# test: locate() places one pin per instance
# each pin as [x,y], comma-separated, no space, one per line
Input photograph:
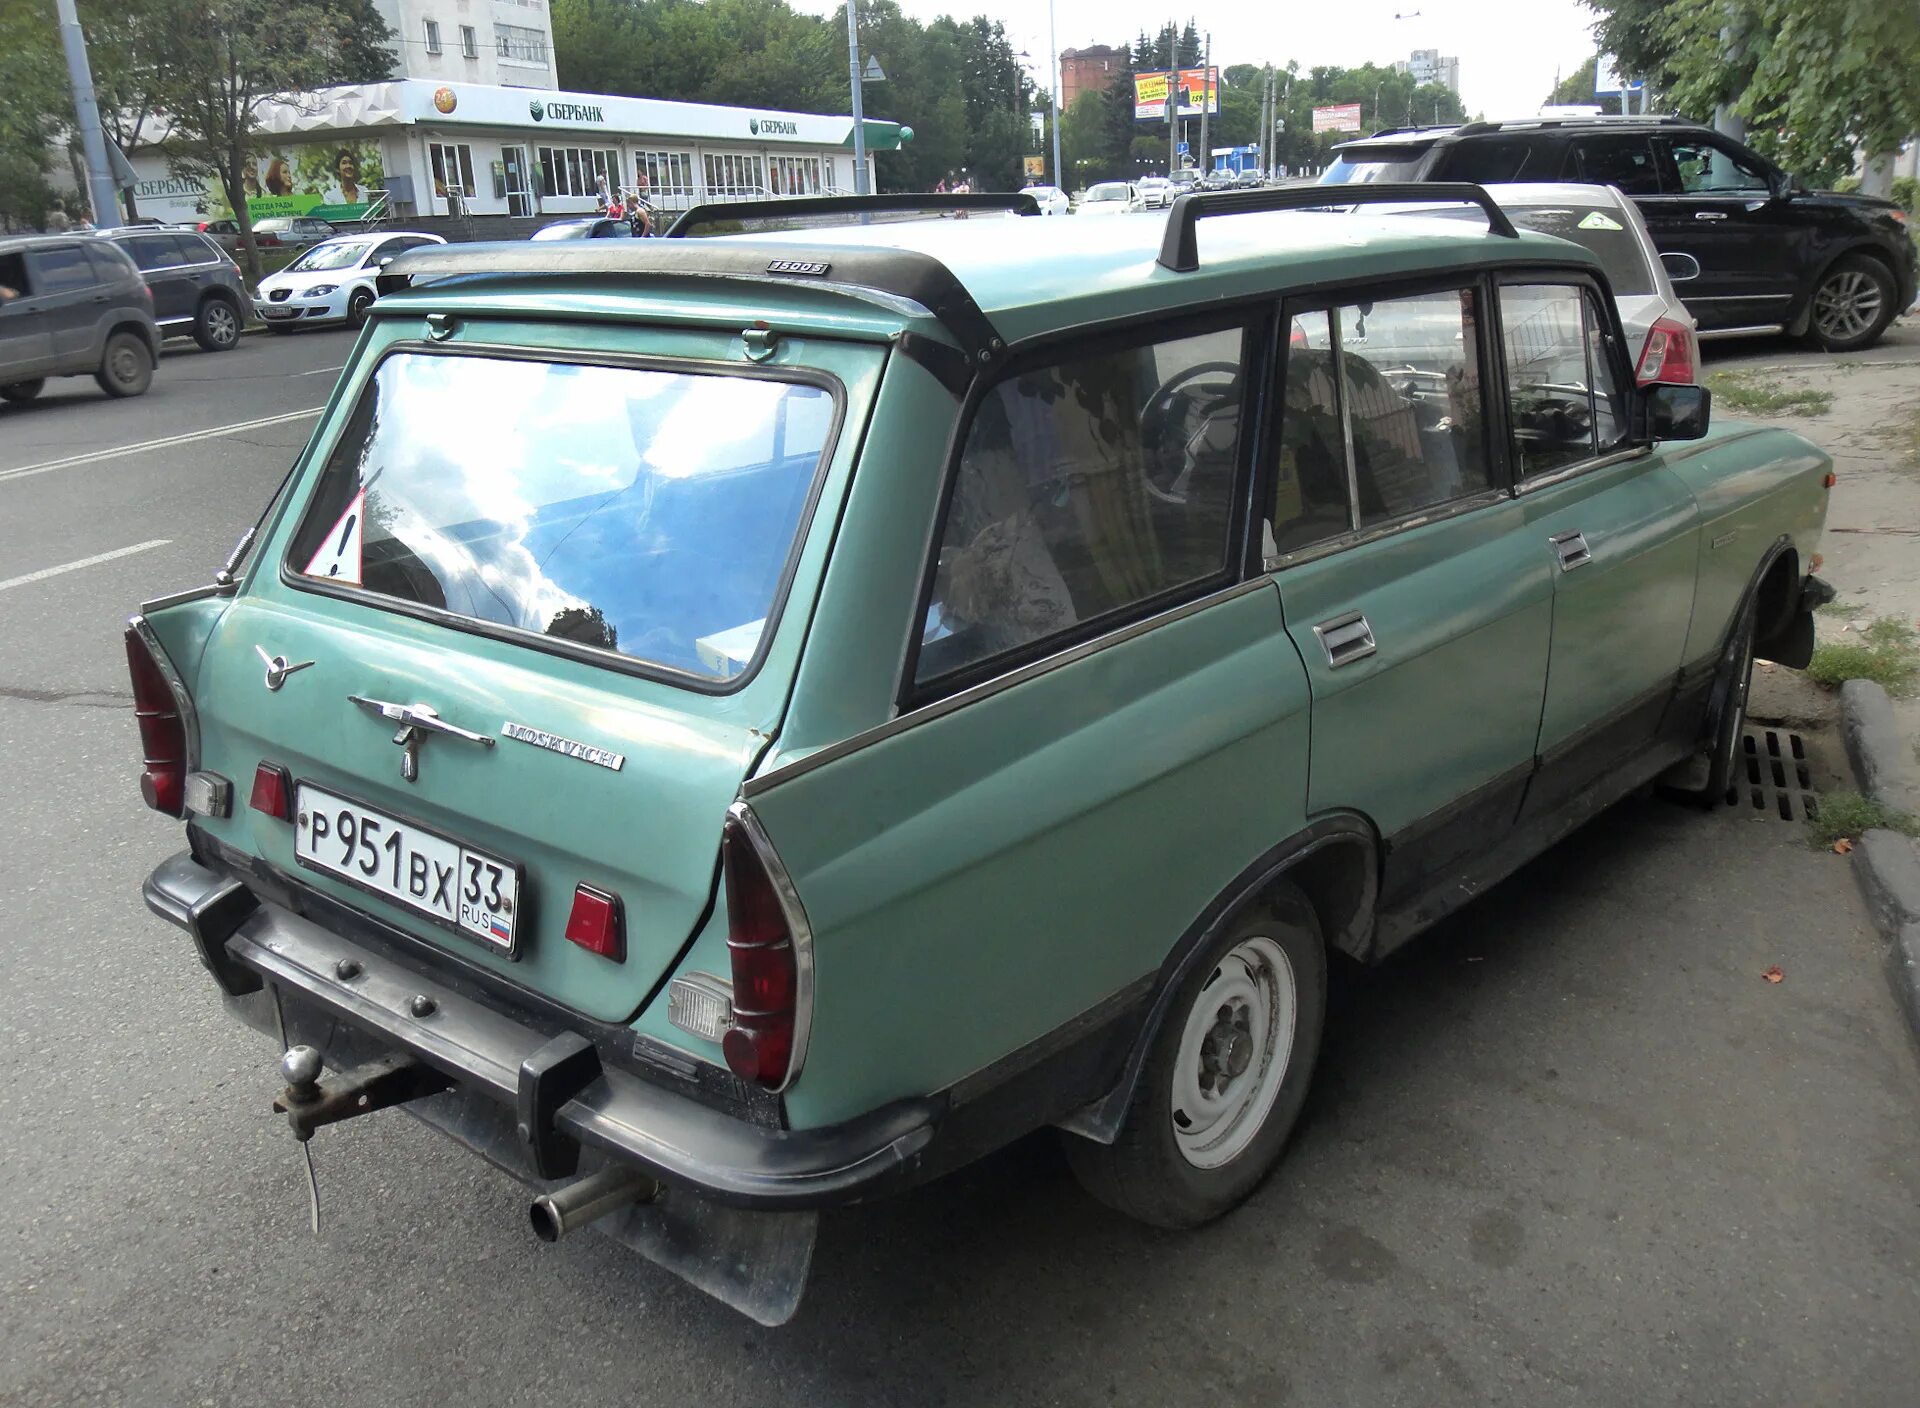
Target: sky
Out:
[1509,50]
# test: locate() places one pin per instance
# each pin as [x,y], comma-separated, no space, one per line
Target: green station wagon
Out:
[726,726]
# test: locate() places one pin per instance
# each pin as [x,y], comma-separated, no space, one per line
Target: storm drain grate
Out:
[1771,776]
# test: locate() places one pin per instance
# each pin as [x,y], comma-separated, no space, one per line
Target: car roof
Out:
[1028,277]
[1600,122]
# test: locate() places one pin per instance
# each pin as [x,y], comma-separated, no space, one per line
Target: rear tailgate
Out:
[673,560]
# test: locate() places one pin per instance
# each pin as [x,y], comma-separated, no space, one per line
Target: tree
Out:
[124,42]
[1576,86]
[32,89]
[223,63]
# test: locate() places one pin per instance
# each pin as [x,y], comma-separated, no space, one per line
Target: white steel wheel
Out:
[1233,1053]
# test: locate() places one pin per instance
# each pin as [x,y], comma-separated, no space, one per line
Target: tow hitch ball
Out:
[390,1080]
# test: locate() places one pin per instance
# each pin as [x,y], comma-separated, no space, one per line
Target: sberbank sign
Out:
[565,112]
[772,127]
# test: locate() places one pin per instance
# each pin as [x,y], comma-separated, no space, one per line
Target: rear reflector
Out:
[163,735]
[272,792]
[767,941]
[1668,355]
[594,923]
[1830,480]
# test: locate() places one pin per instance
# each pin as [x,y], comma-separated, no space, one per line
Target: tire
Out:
[1238,1045]
[126,366]
[357,304]
[217,327]
[1730,691]
[1853,302]
[20,391]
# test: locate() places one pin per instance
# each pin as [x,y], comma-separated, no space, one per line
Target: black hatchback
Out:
[197,289]
[1773,255]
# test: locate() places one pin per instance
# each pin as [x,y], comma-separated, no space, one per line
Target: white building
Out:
[1429,66]
[413,147]
[499,42]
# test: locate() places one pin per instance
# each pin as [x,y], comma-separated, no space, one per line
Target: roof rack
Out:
[727,211]
[1179,251]
[1417,127]
[1598,119]
[873,274]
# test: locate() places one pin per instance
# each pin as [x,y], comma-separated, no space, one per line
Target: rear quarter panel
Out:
[1754,485]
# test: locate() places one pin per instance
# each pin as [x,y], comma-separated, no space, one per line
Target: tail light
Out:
[770,949]
[163,730]
[1668,356]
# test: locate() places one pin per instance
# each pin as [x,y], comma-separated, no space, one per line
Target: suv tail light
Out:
[771,951]
[1668,356]
[163,729]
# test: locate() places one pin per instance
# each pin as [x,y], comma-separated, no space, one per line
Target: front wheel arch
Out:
[1334,862]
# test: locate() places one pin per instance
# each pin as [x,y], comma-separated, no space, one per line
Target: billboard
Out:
[1342,117]
[1150,93]
[332,179]
[1036,167]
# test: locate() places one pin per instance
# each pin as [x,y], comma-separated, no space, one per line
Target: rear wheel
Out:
[22,390]
[1852,304]
[217,328]
[126,367]
[1723,751]
[1223,1084]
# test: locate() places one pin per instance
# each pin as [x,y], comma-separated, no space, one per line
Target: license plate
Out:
[466,889]
[280,312]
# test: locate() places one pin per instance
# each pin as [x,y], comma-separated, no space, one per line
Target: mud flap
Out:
[756,1262]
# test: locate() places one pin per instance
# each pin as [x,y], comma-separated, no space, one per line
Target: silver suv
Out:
[73,305]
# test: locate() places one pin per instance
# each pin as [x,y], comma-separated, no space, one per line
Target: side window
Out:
[110,266]
[1565,402]
[1614,160]
[1483,159]
[151,251]
[192,249]
[1085,487]
[60,269]
[1706,168]
[1398,380]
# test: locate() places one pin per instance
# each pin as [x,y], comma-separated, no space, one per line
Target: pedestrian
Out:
[58,222]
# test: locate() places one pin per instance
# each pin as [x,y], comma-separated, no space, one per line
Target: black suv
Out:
[1774,256]
[197,289]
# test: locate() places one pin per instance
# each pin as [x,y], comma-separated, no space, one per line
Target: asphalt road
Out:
[1571,1149]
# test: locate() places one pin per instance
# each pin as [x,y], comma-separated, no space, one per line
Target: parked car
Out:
[333,282]
[1661,335]
[592,227]
[1247,180]
[225,233]
[197,290]
[1109,198]
[73,305]
[721,771]
[1051,199]
[290,231]
[1773,255]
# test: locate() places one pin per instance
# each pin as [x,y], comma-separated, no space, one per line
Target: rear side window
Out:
[1399,381]
[60,269]
[1616,159]
[1483,159]
[191,249]
[1566,400]
[649,512]
[1086,488]
[154,251]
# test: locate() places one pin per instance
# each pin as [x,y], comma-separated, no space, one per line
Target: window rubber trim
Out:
[296,580]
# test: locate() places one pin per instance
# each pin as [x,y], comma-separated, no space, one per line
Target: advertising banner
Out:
[333,180]
[1036,167]
[1150,93]
[1342,117]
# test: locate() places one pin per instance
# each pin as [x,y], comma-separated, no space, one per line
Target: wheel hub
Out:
[1234,1053]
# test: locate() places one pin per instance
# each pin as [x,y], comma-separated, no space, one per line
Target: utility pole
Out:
[1206,102]
[853,73]
[1266,122]
[86,110]
[1173,122]
[1053,60]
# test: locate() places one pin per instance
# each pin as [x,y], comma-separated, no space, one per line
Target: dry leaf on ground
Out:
[1842,846]
[1774,975]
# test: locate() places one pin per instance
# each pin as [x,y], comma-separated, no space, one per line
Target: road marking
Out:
[318,370]
[94,561]
[93,457]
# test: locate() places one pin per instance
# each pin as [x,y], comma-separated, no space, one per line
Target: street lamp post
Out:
[1053,49]
[859,117]
[106,209]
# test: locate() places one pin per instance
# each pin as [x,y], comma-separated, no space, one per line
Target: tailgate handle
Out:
[1346,639]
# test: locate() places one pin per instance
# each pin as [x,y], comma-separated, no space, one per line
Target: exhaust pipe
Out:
[569,1209]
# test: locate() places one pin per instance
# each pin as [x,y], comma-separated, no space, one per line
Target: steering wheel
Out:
[1171,417]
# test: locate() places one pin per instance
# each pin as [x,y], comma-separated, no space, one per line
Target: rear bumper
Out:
[258,952]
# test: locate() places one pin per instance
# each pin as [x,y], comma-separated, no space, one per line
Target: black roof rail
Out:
[873,273]
[725,211]
[1179,251]
[1416,127]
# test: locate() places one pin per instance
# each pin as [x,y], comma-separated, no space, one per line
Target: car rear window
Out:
[646,511]
[1375,163]
[1603,229]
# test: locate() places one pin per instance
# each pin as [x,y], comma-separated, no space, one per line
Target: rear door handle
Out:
[1571,549]
[1709,215]
[1345,639]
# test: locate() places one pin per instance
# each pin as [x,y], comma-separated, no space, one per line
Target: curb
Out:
[1886,863]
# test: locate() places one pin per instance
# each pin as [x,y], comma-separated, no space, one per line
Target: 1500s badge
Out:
[554,743]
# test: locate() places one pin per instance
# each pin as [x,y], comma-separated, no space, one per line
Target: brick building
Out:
[1090,70]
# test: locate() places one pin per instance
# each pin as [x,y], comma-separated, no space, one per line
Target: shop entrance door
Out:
[513,161]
